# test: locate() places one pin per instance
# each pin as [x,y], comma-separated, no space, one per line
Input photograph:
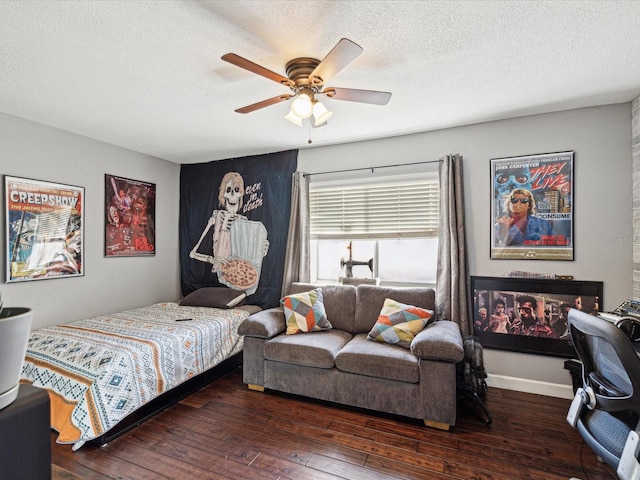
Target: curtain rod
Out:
[371,168]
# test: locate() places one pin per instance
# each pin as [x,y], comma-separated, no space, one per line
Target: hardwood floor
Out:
[226,431]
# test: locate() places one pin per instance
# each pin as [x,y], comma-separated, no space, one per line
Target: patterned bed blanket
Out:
[98,371]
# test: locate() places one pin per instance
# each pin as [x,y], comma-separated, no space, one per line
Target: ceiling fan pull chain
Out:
[309,127]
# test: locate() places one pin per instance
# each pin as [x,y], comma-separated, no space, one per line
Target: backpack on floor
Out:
[471,375]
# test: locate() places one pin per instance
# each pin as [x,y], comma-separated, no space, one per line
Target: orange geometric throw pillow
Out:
[304,312]
[398,324]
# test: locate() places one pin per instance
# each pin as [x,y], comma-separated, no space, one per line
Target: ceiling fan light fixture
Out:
[320,113]
[293,118]
[302,105]
[306,77]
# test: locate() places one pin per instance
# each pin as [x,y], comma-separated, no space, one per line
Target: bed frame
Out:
[167,399]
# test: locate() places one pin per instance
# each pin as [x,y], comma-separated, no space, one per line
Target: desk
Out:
[25,436]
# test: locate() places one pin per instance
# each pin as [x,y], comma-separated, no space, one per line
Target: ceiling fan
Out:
[306,78]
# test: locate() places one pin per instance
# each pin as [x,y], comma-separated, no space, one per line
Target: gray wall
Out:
[601,139]
[35,151]
[635,155]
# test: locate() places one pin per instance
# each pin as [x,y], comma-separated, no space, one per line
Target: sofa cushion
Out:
[399,323]
[317,350]
[339,303]
[370,299]
[379,360]
[304,312]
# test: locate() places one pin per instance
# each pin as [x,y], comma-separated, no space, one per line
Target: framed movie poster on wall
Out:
[532,207]
[44,225]
[530,315]
[130,217]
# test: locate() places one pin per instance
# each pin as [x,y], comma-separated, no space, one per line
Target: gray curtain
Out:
[296,262]
[452,284]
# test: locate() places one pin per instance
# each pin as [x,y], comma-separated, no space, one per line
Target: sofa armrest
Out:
[440,341]
[264,324]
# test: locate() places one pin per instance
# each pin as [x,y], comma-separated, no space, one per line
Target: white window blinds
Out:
[386,210]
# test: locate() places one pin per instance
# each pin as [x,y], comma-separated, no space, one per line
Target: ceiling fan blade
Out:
[339,57]
[238,61]
[264,103]
[355,95]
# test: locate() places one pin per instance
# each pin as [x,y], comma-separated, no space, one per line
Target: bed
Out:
[107,374]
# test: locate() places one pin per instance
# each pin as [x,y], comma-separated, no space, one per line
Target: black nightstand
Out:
[25,436]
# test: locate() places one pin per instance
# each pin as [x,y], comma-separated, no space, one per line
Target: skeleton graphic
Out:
[230,197]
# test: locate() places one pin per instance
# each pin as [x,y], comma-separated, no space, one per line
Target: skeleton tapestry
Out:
[234,219]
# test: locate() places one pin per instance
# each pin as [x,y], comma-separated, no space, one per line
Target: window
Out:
[393,222]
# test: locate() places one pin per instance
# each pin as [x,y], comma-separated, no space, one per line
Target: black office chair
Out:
[605,410]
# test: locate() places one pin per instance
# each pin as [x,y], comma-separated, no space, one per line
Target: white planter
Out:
[15,326]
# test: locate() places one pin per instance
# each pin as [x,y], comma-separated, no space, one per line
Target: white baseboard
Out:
[530,386]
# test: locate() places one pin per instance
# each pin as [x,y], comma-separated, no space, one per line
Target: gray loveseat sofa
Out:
[340,365]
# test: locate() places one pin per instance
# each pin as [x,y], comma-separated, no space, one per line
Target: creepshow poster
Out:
[44,228]
[130,217]
[532,207]
[234,220]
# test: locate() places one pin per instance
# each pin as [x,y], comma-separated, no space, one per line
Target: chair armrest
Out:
[440,341]
[264,324]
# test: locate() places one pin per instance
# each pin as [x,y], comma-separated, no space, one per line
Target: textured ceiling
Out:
[147,75]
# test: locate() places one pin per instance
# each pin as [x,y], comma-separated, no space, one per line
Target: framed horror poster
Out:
[44,225]
[530,315]
[532,207]
[130,216]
